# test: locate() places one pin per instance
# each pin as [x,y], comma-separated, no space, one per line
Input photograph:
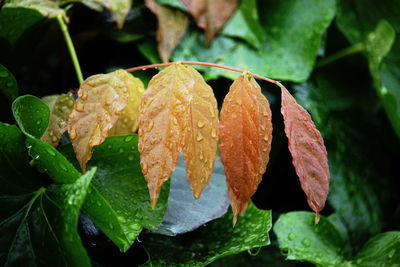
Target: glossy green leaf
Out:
[210,242]
[381,250]
[376,23]
[118,199]
[41,227]
[345,108]
[8,84]
[16,176]
[301,239]
[32,116]
[184,212]
[293,31]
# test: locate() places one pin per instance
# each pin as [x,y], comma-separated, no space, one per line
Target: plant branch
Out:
[71,47]
[152,66]
[340,54]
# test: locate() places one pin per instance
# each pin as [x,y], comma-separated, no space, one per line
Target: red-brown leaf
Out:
[308,152]
[211,15]
[245,132]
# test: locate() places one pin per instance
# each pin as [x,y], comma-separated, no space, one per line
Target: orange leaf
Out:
[211,15]
[178,111]
[101,99]
[245,132]
[308,152]
[172,26]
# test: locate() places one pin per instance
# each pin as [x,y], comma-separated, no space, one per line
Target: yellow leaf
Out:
[101,99]
[60,107]
[178,111]
[245,134]
[128,120]
[172,26]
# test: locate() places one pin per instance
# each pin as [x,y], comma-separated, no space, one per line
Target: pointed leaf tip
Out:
[178,112]
[308,151]
[245,154]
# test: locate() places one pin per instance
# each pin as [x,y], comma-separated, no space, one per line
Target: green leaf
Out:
[184,212]
[245,24]
[48,8]
[8,84]
[41,227]
[376,24]
[210,242]
[301,239]
[31,114]
[381,250]
[345,108]
[16,176]
[15,21]
[290,45]
[118,200]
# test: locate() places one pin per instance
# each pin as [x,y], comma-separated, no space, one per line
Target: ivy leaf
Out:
[172,26]
[8,84]
[178,110]
[32,116]
[300,239]
[101,99]
[210,242]
[128,122]
[185,213]
[382,249]
[118,199]
[119,8]
[41,226]
[60,107]
[211,15]
[245,134]
[308,152]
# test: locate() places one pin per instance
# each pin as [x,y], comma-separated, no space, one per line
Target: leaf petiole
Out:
[356,48]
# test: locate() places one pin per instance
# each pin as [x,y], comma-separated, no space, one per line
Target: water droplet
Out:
[99,203]
[51,152]
[144,168]
[140,132]
[306,242]
[39,121]
[79,107]
[213,133]
[63,167]
[104,132]
[201,124]
[121,150]
[291,236]
[128,138]
[150,126]
[131,157]
[266,138]
[109,146]
[201,156]
[140,148]
[391,253]
[199,137]
[3,74]
[54,139]
[84,96]
[212,113]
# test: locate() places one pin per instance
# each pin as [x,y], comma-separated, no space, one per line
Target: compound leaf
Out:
[60,107]
[101,99]
[211,15]
[308,152]
[245,134]
[172,26]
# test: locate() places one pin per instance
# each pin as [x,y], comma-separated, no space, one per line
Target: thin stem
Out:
[71,47]
[342,53]
[152,66]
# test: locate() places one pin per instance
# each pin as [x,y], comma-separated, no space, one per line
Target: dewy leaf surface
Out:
[178,111]
[184,212]
[128,122]
[101,99]
[118,200]
[211,15]
[172,26]
[308,152]
[245,134]
[210,242]
[60,107]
